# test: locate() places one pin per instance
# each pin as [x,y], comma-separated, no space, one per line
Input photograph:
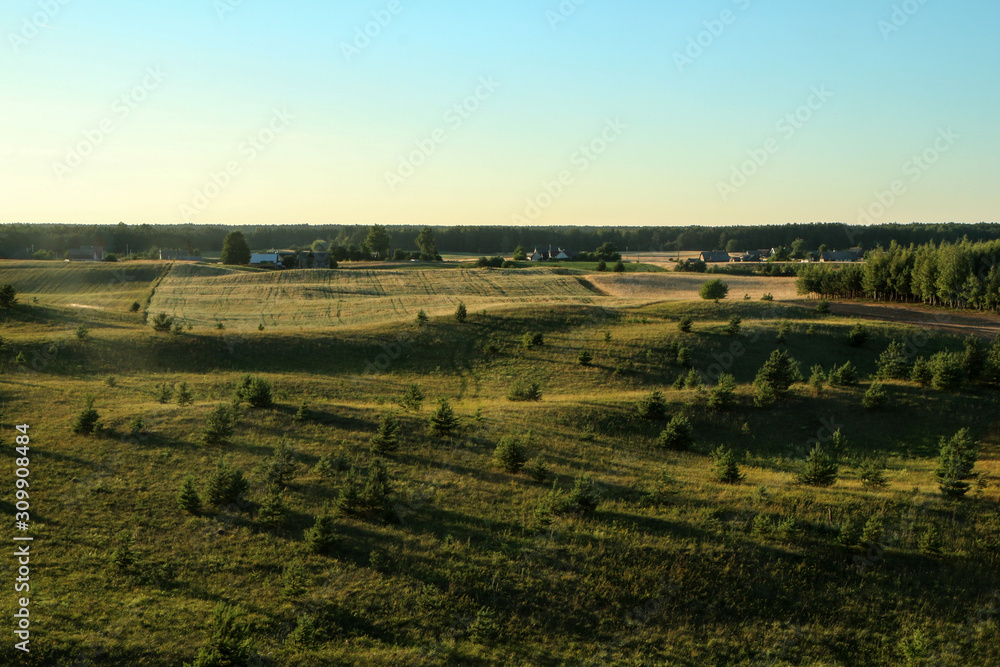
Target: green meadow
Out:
[608,548]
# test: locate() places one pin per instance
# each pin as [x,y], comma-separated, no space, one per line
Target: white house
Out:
[265,259]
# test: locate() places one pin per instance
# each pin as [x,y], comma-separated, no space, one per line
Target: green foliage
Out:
[162,322]
[82,333]
[692,380]
[184,395]
[220,426]
[510,454]
[272,511]
[823,307]
[619,267]
[485,628]
[386,438]
[585,358]
[532,339]
[764,395]
[892,363]
[872,474]
[767,297]
[685,324]
[8,296]
[422,318]
[165,392]
[653,407]
[324,467]
[601,267]
[850,532]
[538,469]
[929,539]
[724,467]
[188,499]
[413,398]
[843,376]
[255,391]
[235,250]
[875,397]
[858,336]
[124,557]
[522,391]
[872,532]
[820,469]
[520,254]
[973,358]
[677,436]
[302,414]
[374,495]
[714,290]
[956,458]
[280,468]
[817,377]
[722,396]
[135,307]
[921,372]
[991,371]
[87,422]
[226,485]
[378,241]
[443,422]
[734,326]
[461,312]
[947,371]
[779,372]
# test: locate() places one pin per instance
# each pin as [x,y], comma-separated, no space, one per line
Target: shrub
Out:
[510,454]
[279,470]
[461,312]
[532,339]
[320,538]
[843,376]
[135,307]
[484,629]
[413,398]
[779,371]
[443,421]
[583,498]
[184,395]
[685,324]
[817,377]
[872,532]
[272,510]
[162,322]
[82,332]
[677,436]
[714,290]
[692,380]
[929,540]
[734,326]
[875,397]
[256,391]
[947,372]
[602,266]
[524,391]
[538,470]
[421,318]
[374,495]
[823,307]
[8,296]
[302,414]
[921,372]
[725,468]
[619,267]
[857,336]
[653,407]
[872,474]
[386,438]
[767,297]
[87,422]
[226,485]
[850,532]
[820,469]
[892,363]
[956,459]
[973,358]
[722,395]
[764,395]
[188,499]
[324,467]
[683,356]
[220,426]
[165,393]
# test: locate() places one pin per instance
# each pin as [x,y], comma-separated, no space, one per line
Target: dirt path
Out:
[925,317]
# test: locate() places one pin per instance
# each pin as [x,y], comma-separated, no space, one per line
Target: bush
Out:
[8,296]
[255,391]
[973,358]
[725,468]
[872,532]
[582,499]
[162,322]
[421,318]
[892,363]
[857,336]
[135,307]
[279,470]
[188,499]
[956,459]
[273,510]
[226,485]
[165,392]
[947,371]
[714,290]
[184,395]
[443,421]
[374,495]
[653,407]
[538,470]
[872,474]
[692,380]
[685,324]
[386,438]
[843,376]
[302,414]
[320,538]
[921,372]
[461,313]
[823,307]
[875,397]
[722,395]
[510,454]
[524,391]
[82,333]
[619,267]
[733,328]
[413,398]
[817,377]
[764,395]
[87,422]
[767,297]
[677,436]
[820,469]
[850,532]
[602,266]
[780,371]
[585,357]
[532,339]
[220,426]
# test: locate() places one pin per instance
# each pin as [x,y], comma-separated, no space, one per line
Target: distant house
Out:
[749,256]
[539,255]
[839,256]
[314,260]
[87,253]
[764,253]
[266,260]
[178,256]
[714,257]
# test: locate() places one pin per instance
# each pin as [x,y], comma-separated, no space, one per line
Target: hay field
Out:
[685,286]
[320,298]
[85,285]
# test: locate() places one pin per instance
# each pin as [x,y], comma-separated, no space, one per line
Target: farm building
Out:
[269,259]
[86,253]
[714,257]
[550,254]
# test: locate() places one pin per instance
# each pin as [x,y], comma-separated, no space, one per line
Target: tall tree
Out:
[425,241]
[235,249]
[379,242]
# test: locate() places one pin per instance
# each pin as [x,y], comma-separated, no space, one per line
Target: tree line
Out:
[960,275]
[20,241]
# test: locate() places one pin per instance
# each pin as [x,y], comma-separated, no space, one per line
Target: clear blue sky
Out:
[115,110]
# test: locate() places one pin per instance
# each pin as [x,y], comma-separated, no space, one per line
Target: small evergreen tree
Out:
[850,532]
[947,372]
[165,392]
[823,307]
[734,326]
[256,391]
[302,414]
[921,372]
[226,485]
[653,407]
[422,318]
[412,398]
[443,421]
[585,357]
[956,459]
[685,324]
[538,469]
[780,371]
[602,266]
[722,396]
[973,358]
[82,333]
[857,336]
[872,532]
[820,469]
[235,249]
[892,363]
[273,510]
[875,397]
[220,426]
[280,468]
[677,436]
[184,395]
[843,376]
[124,557]
[461,313]
[693,379]
[510,455]
[724,467]
[583,498]
[524,391]
[872,474]
[619,267]
[324,467]
[374,495]
[188,499]
[386,438]
[764,395]
[817,378]
[88,421]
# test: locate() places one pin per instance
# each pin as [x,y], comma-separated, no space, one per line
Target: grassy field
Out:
[463,565]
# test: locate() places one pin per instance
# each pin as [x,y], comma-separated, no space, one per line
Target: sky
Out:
[542,112]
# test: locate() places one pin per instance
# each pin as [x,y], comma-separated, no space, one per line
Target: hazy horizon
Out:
[543,112]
